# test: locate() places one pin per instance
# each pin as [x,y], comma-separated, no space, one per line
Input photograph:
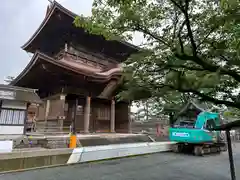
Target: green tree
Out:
[191,47]
[231,114]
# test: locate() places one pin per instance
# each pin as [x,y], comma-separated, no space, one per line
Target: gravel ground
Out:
[161,166]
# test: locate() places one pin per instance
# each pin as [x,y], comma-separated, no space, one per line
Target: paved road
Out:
[163,166]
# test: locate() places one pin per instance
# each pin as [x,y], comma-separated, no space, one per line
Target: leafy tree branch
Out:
[191,47]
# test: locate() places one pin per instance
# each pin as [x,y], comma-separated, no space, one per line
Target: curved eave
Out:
[25,70]
[90,76]
[71,14]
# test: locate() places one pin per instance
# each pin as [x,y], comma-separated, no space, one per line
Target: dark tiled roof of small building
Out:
[19,94]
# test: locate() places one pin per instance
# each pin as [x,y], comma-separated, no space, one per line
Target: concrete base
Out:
[39,158]
[20,160]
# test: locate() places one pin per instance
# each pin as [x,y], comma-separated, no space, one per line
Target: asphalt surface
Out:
[161,166]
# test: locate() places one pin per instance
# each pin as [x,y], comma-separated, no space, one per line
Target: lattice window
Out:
[103,113]
[12,116]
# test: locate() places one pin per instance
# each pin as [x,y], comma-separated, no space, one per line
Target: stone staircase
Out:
[52,125]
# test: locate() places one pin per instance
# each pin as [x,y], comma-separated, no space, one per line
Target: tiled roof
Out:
[19,94]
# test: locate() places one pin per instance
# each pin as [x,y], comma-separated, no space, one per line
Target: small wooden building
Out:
[14,102]
[188,113]
[77,76]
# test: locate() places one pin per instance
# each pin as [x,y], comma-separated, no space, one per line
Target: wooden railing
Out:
[87,59]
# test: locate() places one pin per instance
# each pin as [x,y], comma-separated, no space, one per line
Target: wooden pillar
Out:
[26,118]
[61,111]
[129,119]
[87,114]
[47,109]
[74,117]
[73,137]
[112,123]
[47,112]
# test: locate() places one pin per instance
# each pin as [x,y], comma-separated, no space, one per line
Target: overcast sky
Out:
[18,21]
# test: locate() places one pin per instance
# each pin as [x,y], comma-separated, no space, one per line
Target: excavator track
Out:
[199,149]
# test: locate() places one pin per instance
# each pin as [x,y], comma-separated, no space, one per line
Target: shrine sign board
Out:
[7,95]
